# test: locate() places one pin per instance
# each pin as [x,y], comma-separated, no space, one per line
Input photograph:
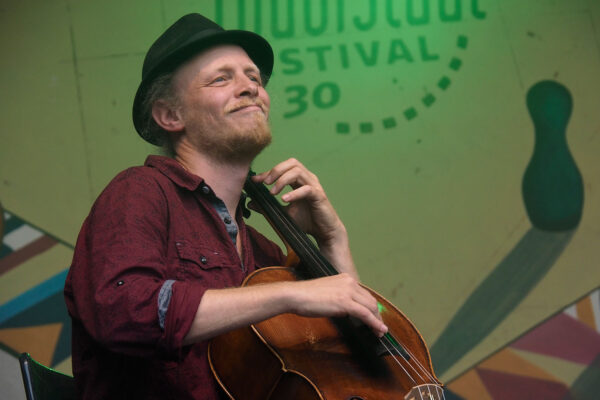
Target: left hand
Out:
[308,204]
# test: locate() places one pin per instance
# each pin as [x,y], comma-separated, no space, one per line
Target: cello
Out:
[294,357]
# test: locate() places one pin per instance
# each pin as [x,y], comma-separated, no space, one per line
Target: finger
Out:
[259,177]
[362,313]
[360,294]
[368,301]
[271,175]
[283,168]
[305,192]
[296,177]
[289,177]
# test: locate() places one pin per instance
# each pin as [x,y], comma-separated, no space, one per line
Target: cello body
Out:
[294,357]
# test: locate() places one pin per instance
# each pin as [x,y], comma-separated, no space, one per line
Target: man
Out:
[160,258]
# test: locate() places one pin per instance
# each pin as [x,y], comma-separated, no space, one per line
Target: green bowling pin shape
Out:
[552,185]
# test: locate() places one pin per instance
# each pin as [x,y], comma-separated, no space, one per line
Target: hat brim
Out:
[257,48]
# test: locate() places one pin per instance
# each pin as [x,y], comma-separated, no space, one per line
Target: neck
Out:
[225,178]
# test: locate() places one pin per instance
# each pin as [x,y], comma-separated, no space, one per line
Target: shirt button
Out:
[120,283]
[227,220]
[203,260]
[205,189]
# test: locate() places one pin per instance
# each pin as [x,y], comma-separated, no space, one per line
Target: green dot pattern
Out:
[389,123]
[411,112]
[342,127]
[444,83]
[428,100]
[455,64]
[366,127]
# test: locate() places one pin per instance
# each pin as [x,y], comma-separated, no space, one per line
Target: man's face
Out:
[223,104]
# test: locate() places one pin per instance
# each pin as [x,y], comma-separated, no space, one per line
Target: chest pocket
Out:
[201,262]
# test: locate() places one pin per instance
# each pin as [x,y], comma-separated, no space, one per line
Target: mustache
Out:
[247,103]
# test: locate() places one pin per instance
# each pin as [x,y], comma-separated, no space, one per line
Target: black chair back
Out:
[43,383]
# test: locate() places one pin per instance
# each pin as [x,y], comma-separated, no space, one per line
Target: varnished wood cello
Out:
[294,357]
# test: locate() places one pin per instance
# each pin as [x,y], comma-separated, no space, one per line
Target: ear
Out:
[166,117]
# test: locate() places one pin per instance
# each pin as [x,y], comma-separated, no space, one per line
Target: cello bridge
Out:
[427,391]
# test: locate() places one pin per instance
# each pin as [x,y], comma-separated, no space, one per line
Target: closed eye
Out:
[219,79]
[256,78]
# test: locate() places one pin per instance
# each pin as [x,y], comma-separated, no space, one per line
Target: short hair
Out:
[161,88]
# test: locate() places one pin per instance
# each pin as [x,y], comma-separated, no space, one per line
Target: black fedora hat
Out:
[187,37]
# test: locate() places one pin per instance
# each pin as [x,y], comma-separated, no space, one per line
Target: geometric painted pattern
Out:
[558,359]
[36,320]
[20,242]
[33,316]
[490,303]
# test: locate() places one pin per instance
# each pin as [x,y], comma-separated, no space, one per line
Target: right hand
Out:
[337,296]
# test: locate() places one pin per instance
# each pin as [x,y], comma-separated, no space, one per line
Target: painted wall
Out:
[458,140]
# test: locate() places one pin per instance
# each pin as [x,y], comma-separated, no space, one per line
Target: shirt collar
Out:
[182,177]
[174,171]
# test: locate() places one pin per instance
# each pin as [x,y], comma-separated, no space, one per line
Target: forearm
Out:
[222,310]
[340,295]
[337,251]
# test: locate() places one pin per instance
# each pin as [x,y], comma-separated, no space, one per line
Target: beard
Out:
[233,140]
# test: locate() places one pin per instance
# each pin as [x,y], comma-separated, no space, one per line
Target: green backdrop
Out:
[414,114]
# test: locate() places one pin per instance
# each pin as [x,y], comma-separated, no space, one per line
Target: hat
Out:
[187,37]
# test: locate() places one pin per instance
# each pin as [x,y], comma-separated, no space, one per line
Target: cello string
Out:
[295,232]
[424,370]
[302,241]
[275,208]
[429,380]
[400,364]
[387,347]
[307,245]
[443,395]
[421,367]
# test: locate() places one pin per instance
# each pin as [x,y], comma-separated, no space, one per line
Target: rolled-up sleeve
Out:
[151,246]
[119,267]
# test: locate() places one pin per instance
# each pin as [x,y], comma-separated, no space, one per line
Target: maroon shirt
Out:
[151,225]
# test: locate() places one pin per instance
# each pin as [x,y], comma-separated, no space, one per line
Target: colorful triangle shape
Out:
[39,341]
